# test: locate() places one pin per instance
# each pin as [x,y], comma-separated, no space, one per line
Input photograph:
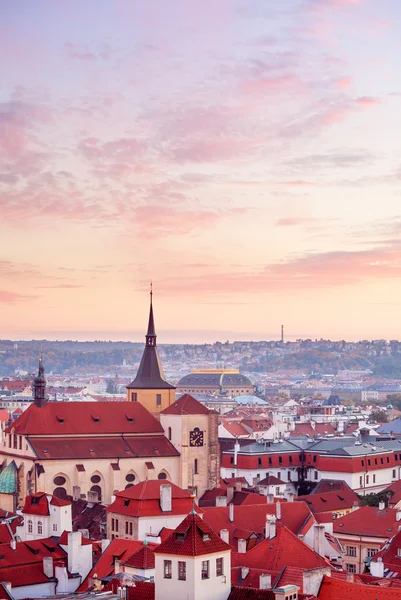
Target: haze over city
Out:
[244,156]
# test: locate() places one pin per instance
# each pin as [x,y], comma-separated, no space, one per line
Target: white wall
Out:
[34,591]
[215,587]
[155,524]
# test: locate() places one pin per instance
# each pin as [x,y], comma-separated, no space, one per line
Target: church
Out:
[71,449]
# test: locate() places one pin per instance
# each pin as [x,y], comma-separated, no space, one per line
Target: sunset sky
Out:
[244,155]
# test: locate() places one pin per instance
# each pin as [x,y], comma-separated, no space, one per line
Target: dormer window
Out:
[206,537]
[60,419]
[126,502]
[130,419]
[399,552]
[180,537]
[96,419]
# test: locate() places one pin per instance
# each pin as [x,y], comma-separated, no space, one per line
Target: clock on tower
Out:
[196,437]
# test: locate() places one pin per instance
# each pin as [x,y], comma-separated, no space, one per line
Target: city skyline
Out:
[242,156]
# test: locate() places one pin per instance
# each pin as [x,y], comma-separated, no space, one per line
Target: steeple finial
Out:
[151,334]
[39,384]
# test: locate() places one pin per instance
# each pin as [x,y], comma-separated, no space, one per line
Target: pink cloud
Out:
[367,100]
[7,297]
[343,82]
[153,220]
[294,221]
[298,183]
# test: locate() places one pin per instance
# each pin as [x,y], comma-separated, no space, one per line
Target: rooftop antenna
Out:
[151,291]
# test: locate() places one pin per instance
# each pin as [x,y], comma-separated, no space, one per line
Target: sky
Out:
[244,156]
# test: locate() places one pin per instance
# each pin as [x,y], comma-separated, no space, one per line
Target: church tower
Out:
[39,385]
[150,387]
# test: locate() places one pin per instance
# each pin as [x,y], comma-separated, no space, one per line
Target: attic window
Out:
[45,451]
[60,419]
[96,419]
[126,502]
[180,537]
[206,537]
[130,419]
[35,501]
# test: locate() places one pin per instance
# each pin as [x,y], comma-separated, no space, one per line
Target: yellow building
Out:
[150,387]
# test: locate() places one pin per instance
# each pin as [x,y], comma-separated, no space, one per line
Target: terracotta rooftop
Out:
[335,589]
[193,537]
[330,501]
[368,521]
[186,405]
[86,418]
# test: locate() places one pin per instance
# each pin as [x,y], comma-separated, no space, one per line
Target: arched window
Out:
[196,466]
[169,433]
[98,490]
[40,528]
[162,476]
[30,526]
[60,492]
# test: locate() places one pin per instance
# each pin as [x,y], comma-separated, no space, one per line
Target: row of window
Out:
[381,460]
[182,569]
[373,478]
[39,527]
[351,551]
[134,398]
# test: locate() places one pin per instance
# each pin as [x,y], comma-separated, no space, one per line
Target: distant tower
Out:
[150,387]
[282,334]
[39,385]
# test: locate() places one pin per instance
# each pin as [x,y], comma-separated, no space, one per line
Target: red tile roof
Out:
[193,537]
[293,514]
[335,589]
[302,429]
[37,504]
[143,500]
[86,418]
[25,563]
[330,501]
[102,447]
[395,488]
[285,549]
[143,559]
[141,591]
[271,480]
[330,485]
[186,405]
[368,521]
[246,593]
[324,429]
[389,554]
[119,548]
[4,416]
[235,429]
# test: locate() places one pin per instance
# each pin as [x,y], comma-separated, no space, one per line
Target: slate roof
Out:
[213,380]
[86,418]
[92,517]
[186,405]
[392,427]
[193,537]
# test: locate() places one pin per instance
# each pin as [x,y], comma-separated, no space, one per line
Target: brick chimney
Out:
[265,581]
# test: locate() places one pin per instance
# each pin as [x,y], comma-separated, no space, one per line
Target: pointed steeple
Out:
[151,334]
[150,373]
[39,384]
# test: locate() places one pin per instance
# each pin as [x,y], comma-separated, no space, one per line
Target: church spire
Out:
[151,334]
[39,384]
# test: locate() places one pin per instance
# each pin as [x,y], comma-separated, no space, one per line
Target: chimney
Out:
[377,568]
[166,497]
[241,546]
[382,506]
[265,581]
[319,539]
[48,566]
[236,450]
[230,493]
[13,544]
[349,577]
[312,579]
[269,498]
[221,500]
[231,512]
[224,534]
[93,498]
[105,545]
[398,515]
[278,511]
[289,496]
[118,566]
[76,492]
[244,572]
[238,486]
[270,527]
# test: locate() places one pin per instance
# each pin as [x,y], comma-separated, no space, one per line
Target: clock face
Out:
[196,437]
